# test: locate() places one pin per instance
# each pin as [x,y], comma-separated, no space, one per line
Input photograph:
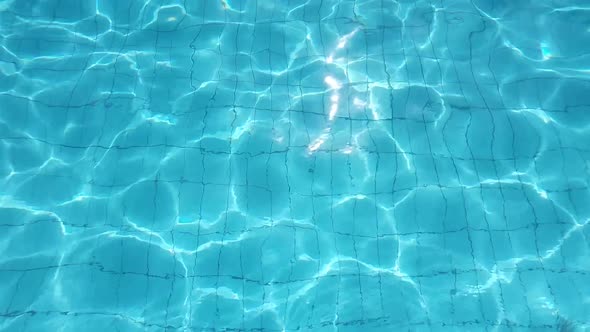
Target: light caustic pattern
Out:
[294,165]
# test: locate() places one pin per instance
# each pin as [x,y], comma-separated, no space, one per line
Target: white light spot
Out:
[344,40]
[545,51]
[318,142]
[359,103]
[333,111]
[347,150]
[373,109]
[332,82]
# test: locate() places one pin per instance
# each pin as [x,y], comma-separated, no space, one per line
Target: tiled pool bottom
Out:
[294,166]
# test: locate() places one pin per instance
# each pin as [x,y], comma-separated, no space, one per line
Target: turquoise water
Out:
[313,165]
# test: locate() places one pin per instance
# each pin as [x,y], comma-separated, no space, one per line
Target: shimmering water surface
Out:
[320,165]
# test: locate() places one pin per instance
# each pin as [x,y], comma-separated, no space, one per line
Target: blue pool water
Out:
[290,165]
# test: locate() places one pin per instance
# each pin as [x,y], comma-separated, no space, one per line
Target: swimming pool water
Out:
[319,165]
